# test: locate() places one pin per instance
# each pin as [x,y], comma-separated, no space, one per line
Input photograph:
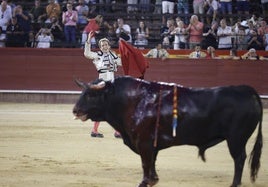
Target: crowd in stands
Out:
[210,53]
[176,24]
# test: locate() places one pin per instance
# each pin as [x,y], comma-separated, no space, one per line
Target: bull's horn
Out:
[97,86]
[80,83]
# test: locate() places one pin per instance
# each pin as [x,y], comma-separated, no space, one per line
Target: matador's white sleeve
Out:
[92,55]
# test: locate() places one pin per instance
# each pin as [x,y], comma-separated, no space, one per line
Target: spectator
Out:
[168,6]
[266,42]
[264,5]
[183,10]
[255,19]
[132,6]
[180,39]
[69,19]
[142,34]
[73,2]
[105,6]
[10,5]
[213,7]
[111,35]
[38,12]
[64,5]
[263,29]
[157,52]
[167,9]
[44,37]
[211,53]
[92,7]
[166,30]
[197,53]
[263,58]
[251,55]
[240,39]
[57,32]
[5,15]
[82,11]
[2,38]
[14,33]
[94,27]
[250,26]
[224,34]
[232,55]
[31,42]
[195,30]
[53,9]
[225,8]
[158,7]
[242,7]
[210,36]
[198,8]
[24,21]
[255,41]
[145,6]
[123,31]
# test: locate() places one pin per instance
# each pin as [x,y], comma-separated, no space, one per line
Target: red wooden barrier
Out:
[55,69]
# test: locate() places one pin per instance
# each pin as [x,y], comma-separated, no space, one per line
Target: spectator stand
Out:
[153,19]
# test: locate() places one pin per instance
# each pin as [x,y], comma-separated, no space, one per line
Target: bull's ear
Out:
[81,84]
[98,86]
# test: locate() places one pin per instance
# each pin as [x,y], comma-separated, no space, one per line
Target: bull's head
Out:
[91,103]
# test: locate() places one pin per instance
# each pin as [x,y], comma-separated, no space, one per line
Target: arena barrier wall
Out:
[26,74]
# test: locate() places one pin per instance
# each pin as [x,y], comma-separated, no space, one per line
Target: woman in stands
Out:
[94,27]
[142,35]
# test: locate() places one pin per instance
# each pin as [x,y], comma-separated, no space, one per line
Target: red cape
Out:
[133,61]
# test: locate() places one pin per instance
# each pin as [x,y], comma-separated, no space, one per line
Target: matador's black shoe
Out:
[96,135]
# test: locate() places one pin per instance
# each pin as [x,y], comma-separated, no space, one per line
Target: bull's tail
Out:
[255,155]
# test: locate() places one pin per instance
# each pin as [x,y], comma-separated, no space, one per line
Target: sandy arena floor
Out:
[42,146]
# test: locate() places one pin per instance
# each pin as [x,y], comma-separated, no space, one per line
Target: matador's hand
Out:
[90,36]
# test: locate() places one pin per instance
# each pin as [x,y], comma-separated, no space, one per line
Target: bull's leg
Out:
[148,157]
[238,154]
[154,175]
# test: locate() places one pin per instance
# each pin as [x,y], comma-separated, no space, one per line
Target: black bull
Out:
[143,112]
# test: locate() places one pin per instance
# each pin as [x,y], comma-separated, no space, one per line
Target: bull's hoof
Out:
[142,184]
[153,181]
[235,185]
[150,182]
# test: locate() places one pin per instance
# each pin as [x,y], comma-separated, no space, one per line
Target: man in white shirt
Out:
[225,35]
[123,31]
[5,15]
[197,53]
[157,52]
